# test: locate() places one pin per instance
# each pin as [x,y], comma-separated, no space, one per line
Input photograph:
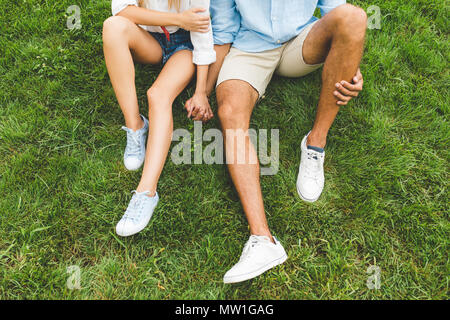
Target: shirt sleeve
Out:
[226,21]
[204,53]
[119,5]
[326,6]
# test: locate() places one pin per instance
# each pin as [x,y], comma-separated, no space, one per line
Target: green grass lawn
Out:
[63,185]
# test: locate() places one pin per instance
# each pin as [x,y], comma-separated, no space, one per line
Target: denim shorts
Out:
[180,40]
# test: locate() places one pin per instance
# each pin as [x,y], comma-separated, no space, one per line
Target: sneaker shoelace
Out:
[133,142]
[134,209]
[313,165]
[252,243]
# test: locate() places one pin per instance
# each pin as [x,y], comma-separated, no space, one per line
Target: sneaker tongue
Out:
[253,242]
[142,193]
[261,238]
[315,152]
[131,131]
[317,149]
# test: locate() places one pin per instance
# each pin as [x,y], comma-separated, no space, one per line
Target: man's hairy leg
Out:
[236,100]
[337,39]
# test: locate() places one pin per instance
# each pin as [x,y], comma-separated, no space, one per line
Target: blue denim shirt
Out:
[260,25]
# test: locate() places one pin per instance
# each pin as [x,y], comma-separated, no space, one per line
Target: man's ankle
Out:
[316,140]
[265,234]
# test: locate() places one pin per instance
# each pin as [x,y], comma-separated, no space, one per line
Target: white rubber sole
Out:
[251,275]
[133,168]
[128,234]
[306,199]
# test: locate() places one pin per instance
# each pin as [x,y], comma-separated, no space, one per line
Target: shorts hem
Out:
[260,93]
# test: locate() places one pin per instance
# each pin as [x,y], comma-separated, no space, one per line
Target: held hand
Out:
[346,91]
[198,108]
[191,20]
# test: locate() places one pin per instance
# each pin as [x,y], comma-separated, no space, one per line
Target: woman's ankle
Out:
[135,123]
[152,191]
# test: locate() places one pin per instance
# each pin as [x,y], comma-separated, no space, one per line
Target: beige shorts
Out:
[257,68]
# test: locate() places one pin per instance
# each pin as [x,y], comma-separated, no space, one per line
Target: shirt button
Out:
[274,18]
[278,41]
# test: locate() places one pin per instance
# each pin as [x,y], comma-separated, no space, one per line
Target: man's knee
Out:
[233,116]
[115,27]
[236,101]
[351,22]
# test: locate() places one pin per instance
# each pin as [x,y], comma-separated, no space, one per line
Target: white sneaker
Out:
[311,179]
[259,255]
[138,214]
[134,154]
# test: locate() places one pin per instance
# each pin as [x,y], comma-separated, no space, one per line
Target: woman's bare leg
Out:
[173,78]
[123,40]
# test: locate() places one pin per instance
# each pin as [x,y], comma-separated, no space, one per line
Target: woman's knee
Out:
[115,27]
[158,99]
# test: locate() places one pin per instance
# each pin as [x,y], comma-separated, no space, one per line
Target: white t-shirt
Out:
[204,53]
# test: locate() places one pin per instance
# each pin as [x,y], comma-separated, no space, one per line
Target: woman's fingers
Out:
[198,9]
[201,27]
[203,30]
[188,107]
[203,19]
[199,116]
[208,116]
[193,21]
[203,24]
[187,104]
[193,112]
[196,112]
[200,18]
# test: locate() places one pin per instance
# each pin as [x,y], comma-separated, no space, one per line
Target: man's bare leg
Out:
[337,39]
[236,100]
[262,252]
